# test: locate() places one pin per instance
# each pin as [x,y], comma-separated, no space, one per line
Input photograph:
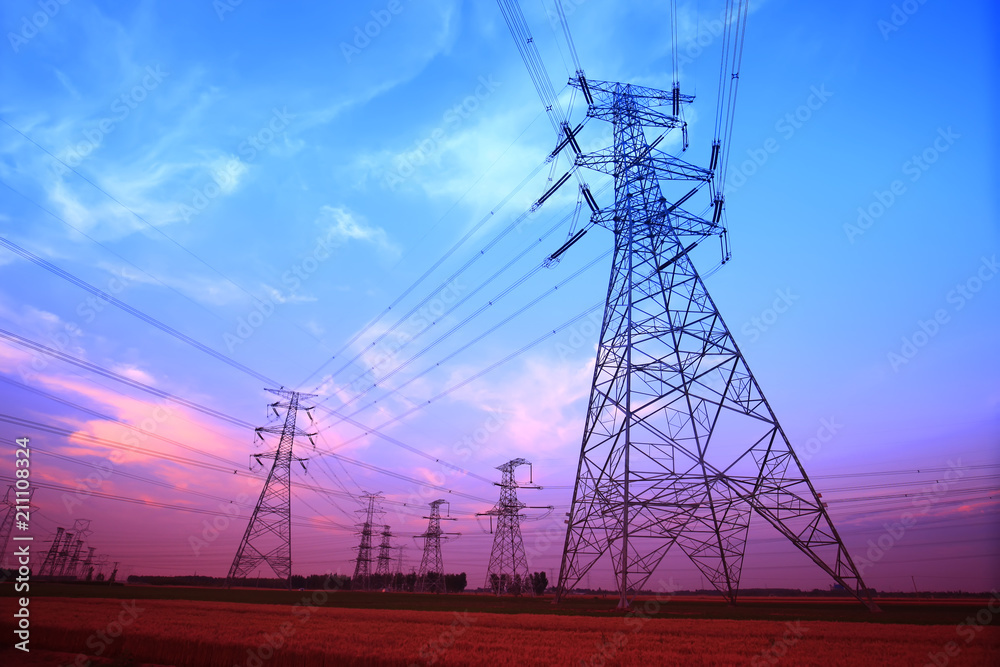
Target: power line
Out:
[136,215]
[101,294]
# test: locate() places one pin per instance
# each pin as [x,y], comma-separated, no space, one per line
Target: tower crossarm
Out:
[603,93]
[678,220]
[604,161]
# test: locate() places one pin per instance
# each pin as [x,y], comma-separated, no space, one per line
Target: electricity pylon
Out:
[398,579]
[431,563]
[383,570]
[362,579]
[508,568]
[268,537]
[49,562]
[679,445]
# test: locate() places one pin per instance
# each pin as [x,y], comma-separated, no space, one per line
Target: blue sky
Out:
[266,182]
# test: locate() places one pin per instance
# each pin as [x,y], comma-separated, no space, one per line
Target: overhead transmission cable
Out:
[406,292]
[503,322]
[109,250]
[38,347]
[145,222]
[118,303]
[409,340]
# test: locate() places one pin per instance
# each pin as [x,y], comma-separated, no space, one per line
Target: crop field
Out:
[158,626]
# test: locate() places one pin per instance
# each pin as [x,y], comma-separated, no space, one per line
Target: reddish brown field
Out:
[178,632]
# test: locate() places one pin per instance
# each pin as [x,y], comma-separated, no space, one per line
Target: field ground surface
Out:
[143,625]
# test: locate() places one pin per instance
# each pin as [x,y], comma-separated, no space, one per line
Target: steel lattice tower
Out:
[508,566]
[49,562]
[431,562]
[679,445]
[383,570]
[397,577]
[268,537]
[362,578]
[88,565]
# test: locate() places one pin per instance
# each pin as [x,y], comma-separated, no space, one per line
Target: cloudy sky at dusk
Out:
[274,196]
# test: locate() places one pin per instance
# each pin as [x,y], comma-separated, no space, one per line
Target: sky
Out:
[329,208]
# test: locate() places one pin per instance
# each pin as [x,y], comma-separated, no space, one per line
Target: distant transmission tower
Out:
[49,562]
[508,568]
[679,445]
[88,565]
[268,538]
[362,579]
[398,579]
[430,578]
[63,557]
[383,570]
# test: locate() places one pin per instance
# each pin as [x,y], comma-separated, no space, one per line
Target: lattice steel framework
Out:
[268,537]
[508,568]
[383,570]
[49,562]
[63,557]
[432,563]
[362,579]
[679,445]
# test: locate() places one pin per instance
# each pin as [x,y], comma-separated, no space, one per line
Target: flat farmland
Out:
[158,626]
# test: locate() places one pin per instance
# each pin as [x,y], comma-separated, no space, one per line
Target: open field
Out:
[146,625]
[903,610]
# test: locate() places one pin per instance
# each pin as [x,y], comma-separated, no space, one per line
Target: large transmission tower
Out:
[679,445]
[508,568]
[362,579]
[268,537]
[430,577]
